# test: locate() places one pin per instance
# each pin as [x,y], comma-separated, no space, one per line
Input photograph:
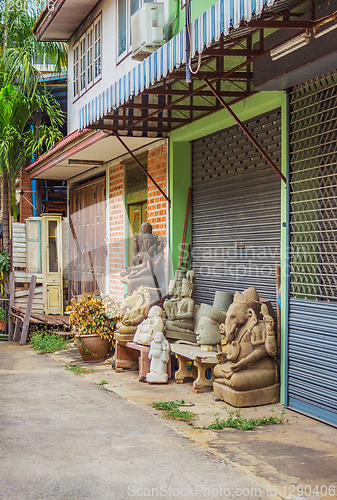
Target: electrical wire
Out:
[188,28]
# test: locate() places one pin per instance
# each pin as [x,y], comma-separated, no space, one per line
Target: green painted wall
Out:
[198,7]
[180,174]
[180,181]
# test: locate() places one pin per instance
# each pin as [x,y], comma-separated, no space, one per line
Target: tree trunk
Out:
[6,213]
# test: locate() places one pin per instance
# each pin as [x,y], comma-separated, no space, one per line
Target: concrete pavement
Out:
[65,437]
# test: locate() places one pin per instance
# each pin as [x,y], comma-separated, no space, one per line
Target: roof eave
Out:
[45,19]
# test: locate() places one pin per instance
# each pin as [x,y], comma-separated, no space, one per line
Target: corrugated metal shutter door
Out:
[236,210]
[312,371]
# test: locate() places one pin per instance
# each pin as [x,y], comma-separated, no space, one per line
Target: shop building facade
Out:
[262,170]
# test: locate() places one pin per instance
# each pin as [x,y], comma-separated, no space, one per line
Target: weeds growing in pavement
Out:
[103,382]
[78,370]
[171,410]
[237,421]
[48,340]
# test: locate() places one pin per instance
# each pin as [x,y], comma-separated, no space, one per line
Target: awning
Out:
[80,152]
[154,97]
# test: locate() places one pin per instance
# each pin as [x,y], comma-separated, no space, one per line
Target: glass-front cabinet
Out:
[52,263]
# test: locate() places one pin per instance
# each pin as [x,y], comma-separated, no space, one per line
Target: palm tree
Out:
[17,142]
[16,31]
[20,53]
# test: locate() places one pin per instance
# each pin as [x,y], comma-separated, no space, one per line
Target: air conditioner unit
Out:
[147,28]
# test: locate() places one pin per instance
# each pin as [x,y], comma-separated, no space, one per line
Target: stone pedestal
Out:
[241,399]
[124,337]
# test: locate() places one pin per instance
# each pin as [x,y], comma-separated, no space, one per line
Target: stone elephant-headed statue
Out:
[247,373]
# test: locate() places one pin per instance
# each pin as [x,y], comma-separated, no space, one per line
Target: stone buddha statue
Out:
[246,374]
[180,320]
[171,304]
[134,310]
[149,327]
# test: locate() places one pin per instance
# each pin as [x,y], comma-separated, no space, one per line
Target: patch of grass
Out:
[171,410]
[103,382]
[78,370]
[48,341]
[237,421]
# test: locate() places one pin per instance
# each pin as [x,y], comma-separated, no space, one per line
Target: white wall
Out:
[111,71]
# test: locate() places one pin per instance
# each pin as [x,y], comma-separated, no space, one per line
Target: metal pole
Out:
[246,131]
[141,166]
[188,45]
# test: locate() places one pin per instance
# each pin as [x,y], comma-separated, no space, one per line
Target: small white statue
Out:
[149,327]
[159,355]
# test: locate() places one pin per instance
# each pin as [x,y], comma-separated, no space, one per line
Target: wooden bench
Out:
[201,365]
[135,357]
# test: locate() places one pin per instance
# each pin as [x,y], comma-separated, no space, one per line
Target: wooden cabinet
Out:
[52,263]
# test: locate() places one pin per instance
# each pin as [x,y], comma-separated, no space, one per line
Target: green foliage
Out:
[78,370]
[48,341]
[103,382]
[5,262]
[171,410]
[17,20]
[17,142]
[88,316]
[237,421]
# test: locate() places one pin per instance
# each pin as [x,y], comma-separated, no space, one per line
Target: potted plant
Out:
[3,317]
[93,321]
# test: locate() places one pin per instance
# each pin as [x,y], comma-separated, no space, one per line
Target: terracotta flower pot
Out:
[92,348]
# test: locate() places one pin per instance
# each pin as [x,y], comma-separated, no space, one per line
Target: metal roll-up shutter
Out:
[312,370]
[236,210]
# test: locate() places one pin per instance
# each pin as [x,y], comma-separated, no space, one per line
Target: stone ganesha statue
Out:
[246,375]
[134,309]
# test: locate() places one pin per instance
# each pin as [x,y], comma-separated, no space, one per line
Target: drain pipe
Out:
[32,160]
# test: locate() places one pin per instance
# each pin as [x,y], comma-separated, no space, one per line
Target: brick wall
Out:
[157,213]
[26,210]
[157,205]
[116,230]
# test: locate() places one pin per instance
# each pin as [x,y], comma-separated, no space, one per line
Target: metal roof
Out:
[154,98]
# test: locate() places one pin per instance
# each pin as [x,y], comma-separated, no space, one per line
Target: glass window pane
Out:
[121,26]
[52,246]
[134,6]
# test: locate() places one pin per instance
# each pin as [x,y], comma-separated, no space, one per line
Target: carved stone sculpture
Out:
[180,322]
[134,309]
[148,268]
[208,332]
[246,375]
[149,327]
[171,305]
[159,354]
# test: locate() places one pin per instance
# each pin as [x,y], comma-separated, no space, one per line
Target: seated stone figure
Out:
[180,324]
[149,327]
[148,263]
[135,309]
[171,304]
[246,375]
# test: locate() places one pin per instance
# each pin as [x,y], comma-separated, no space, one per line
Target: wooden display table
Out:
[203,363]
[135,357]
